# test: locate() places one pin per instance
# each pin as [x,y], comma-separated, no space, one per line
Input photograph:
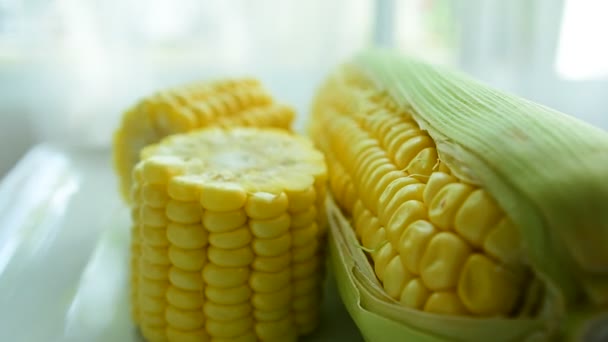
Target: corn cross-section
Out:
[227,236]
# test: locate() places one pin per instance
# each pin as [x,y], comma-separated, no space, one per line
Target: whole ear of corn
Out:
[227,236]
[483,215]
[224,103]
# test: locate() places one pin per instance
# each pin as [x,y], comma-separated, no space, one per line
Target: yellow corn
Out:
[233,102]
[438,243]
[227,236]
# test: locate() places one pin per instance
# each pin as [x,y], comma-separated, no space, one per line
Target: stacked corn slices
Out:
[227,102]
[483,216]
[228,234]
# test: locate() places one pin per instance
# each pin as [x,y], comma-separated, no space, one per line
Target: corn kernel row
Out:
[438,244]
[227,242]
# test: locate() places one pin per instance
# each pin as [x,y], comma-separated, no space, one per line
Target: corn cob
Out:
[425,185]
[232,102]
[438,244]
[227,236]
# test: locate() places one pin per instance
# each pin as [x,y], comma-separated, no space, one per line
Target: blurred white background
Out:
[68,67]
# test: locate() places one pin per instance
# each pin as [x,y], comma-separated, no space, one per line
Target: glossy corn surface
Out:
[227,236]
[437,243]
[224,103]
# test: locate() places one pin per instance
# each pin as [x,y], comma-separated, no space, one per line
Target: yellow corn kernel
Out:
[187,259]
[238,257]
[445,303]
[153,271]
[222,277]
[226,312]
[269,281]
[272,263]
[152,287]
[153,217]
[220,222]
[391,190]
[480,282]
[304,218]
[272,247]
[410,148]
[183,189]
[413,243]
[246,337]
[222,197]
[268,330]
[159,170]
[305,236]
[183,212]
[228,296]
[154,195]
[305,285]
[154,236]
[446,203]
[187,236]
[395,277]
[185,280]
[477,215]
[183,299]
[373,178]
[382,258]
[423,162]
[383,183]
[406,214]
[409,192]
[414,294]
[301,200]
[362,221]
[306,268]
[152,333]
[274,315]
[233,239]
[263,205]
[151,304]
[370,225]
[503,242]
[435,183]
[184,319]
[270,228]
[154,319]
[442,261]
[373,240]
[229,329]
[198,335]
[306,302]
[155,255]
[273,300]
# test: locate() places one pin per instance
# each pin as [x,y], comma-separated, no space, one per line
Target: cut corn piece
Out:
[225,248]
[233,102]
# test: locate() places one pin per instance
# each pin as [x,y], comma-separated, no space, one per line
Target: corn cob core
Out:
[437,243]
[224,103]
[227,236]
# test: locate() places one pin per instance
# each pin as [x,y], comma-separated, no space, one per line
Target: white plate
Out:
[63,254]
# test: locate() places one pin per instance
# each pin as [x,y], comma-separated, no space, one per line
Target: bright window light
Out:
[583,43]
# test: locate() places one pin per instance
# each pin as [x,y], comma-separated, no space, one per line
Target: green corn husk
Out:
[547,171]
